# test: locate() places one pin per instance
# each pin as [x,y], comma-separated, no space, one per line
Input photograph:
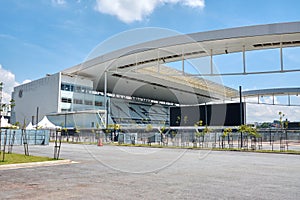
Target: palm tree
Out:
[226,132]
[251,131]
[201,134]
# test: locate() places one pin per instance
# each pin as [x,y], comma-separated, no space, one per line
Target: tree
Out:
[149,127]
[201,133]
[185,120]
[252,131]
[281,115]
[197,132]
[226,132]
[173,134]
[162,131]
[178,120]
[113,130]
[283,126]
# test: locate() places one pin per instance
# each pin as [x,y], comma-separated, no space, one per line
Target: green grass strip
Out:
[13,158]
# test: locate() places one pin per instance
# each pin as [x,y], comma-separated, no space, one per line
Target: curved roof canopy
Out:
[140,70]
[272,92]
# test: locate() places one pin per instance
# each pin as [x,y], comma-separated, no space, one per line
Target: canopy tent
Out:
[30,126]
[4,122]
[45,123]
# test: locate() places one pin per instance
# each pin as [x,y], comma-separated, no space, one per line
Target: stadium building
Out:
[134,86]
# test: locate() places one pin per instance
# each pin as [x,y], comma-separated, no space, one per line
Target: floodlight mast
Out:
[241,114]
[105,99]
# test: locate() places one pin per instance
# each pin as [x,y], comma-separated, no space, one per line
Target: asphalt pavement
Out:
[113,172]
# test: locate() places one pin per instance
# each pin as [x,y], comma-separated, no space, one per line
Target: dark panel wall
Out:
[212,115]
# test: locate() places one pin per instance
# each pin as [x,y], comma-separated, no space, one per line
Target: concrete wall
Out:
[42,93]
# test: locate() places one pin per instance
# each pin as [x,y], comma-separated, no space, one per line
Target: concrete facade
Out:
[54,94]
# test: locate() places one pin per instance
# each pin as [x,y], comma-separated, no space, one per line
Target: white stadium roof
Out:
[272,92]
[139,70]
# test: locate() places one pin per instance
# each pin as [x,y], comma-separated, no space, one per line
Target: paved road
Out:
[111,172]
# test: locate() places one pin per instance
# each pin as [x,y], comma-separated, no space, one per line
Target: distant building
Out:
[5,108]
[294,125]
[56,96]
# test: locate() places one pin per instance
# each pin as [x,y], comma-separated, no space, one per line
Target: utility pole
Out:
[105,100]
[37,117]
[241,114]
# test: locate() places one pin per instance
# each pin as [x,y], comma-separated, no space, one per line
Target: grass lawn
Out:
[13,158]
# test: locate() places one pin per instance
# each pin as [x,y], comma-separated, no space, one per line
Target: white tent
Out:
[30,126]
[4,122]
[45,123]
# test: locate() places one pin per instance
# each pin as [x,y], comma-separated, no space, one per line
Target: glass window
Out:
[66,100]
[65,110]
[98,103]
[67,87]
[77,88]
[88,102]
[62,86]
[90,90]
[78,101]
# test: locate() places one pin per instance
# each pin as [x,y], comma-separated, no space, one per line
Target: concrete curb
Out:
[35,164]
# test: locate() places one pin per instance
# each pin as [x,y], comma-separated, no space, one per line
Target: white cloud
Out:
[267,113]
[58,2]
[136,10]
[9,83]
[194,3]
[26,81]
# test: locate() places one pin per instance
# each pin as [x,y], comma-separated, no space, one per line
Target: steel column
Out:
[105,99]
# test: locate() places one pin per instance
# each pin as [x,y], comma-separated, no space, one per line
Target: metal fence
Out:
[19,136]
[270,139]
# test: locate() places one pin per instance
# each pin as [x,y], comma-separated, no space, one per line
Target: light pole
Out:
[241,114]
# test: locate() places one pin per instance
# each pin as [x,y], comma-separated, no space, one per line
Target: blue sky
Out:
[45,36]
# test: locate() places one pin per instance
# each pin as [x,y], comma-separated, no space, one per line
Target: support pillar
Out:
[211,62]
[244,60]
[105,99]
[281,58]
[241,113]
